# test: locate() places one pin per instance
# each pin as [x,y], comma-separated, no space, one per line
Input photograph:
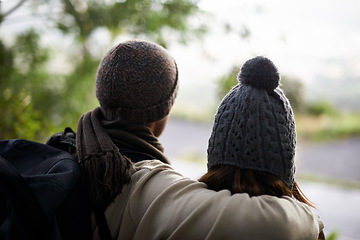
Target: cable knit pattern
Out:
[254,127]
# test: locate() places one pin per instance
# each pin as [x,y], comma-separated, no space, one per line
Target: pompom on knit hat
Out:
[254,126]
[137,81]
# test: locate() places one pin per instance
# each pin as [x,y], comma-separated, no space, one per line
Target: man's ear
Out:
[158,127]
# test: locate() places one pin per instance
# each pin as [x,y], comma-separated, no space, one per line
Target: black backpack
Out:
[40,193]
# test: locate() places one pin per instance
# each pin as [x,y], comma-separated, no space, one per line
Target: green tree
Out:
[226,82]
[294,91]
[322,107]
[3,15]
[35,101]
[159,20]
[23,88]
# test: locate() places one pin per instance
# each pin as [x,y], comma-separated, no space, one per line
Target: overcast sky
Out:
[305,39]
[299,36]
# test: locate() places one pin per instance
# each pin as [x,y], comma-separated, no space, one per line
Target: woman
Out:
[252,144]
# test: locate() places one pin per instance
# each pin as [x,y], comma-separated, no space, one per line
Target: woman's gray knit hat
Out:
[137,81]
[254,127]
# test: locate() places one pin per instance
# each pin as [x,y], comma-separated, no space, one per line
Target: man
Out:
[127,174]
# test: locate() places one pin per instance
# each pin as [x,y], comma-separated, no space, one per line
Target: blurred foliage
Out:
[322,121]
[226,82]
[23,88]
[333,236]
[34,103]
[294,91]
[159,20]
[327,127]
[322,107]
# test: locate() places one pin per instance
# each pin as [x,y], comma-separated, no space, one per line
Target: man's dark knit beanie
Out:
[137,81]
[254,127]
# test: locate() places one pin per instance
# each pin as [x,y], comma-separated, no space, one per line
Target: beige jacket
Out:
[159,203]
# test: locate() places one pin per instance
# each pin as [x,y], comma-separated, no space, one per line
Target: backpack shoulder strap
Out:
[65,140]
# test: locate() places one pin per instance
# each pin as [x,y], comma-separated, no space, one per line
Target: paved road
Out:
[339,159]
[338,207]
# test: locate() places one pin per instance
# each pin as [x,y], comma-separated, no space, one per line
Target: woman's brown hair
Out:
[253,182]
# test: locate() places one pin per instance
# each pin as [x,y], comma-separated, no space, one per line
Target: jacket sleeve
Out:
[161,204]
